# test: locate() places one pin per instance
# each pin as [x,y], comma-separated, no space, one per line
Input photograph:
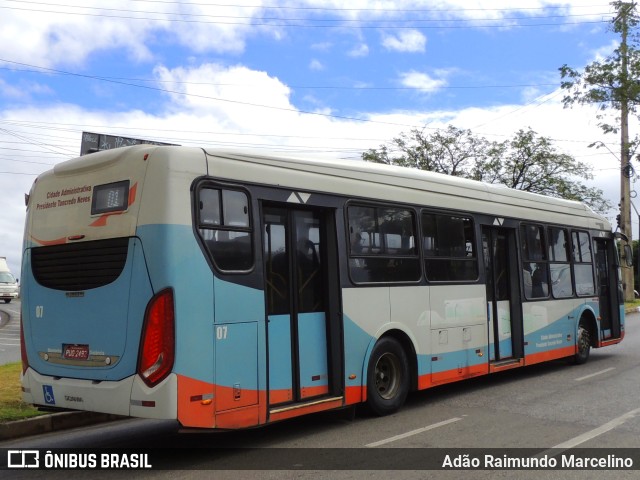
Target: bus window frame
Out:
[474,241]
[567,262]
[376,206]
[211,184]
[526,260]
[575,263]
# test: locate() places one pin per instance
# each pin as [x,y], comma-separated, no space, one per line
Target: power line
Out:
[264,22]
[300,87]
[205,97]
[380,10]
[350,9]
[374,11]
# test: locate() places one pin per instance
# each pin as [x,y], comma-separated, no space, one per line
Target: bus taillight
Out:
[23,349]
[157,346]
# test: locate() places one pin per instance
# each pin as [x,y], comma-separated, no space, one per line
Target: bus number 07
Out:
[221,332]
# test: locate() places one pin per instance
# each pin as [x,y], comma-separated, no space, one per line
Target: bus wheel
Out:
[584,344]
[387,377]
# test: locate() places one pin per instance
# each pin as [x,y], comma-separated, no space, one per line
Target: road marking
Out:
[413,432]
[595,374]
[616,422]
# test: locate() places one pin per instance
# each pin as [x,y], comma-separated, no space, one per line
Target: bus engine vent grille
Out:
[79,266]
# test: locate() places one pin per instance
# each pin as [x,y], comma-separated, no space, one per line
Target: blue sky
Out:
[323,77]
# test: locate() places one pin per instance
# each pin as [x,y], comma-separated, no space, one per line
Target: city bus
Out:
[231,289]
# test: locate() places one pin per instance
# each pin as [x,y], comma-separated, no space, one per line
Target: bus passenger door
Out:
[298,248]
[503,299]
[607,289]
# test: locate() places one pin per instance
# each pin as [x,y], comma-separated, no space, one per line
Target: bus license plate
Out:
[75,351]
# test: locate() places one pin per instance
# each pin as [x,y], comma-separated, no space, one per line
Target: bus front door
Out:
[607,289]
[504,316]
[298,248]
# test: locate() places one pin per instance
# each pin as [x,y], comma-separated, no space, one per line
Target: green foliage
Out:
[526,162]
[610,83]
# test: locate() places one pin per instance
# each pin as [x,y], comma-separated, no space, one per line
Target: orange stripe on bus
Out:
[195,413]
[47,243]
[280,396]
[308,392]
[555,354]
[353,395]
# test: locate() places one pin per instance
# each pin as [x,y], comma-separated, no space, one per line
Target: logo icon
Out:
[23,459]
[49,399]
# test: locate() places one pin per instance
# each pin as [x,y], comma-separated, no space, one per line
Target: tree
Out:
[613,84]
[526,162]
[452,152]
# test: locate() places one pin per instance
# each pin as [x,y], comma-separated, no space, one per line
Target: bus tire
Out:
[387,377]
[583,343]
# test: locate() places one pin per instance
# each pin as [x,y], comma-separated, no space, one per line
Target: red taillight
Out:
[23,349]
[157,345]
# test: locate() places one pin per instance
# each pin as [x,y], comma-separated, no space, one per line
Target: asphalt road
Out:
[9,332]
[554,405]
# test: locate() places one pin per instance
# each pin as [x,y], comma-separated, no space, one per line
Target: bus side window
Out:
[224,225]
[535,263]
[449,248]
[382,245]
[582,263]
[559,266]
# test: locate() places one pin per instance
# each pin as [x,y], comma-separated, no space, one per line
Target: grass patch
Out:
[11,405]
[634,303]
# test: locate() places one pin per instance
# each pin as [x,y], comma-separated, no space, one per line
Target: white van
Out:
[9,288]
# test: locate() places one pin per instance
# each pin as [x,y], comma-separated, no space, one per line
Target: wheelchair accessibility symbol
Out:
[48,395]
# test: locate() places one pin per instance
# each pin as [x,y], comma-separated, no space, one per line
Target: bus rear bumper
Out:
[128,397]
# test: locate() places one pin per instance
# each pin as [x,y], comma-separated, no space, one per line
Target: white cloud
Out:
[231,95]
[70,34]
[406,41]
[322,46]
[422,81]
[23,91]
[316,65]
[51,35]
[361,50]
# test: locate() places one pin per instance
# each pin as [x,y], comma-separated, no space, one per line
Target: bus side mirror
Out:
[628,255]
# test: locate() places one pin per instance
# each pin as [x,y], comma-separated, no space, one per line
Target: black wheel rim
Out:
[388,376]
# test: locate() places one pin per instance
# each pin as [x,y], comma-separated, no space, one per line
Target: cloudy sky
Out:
[299,76]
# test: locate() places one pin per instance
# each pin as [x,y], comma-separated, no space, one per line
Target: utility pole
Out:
[625,161]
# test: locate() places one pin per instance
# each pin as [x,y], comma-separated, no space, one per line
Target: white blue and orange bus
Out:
[233,289]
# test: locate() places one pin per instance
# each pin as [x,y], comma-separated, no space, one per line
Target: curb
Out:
[53,422]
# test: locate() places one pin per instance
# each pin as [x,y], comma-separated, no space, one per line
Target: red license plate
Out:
[75,351]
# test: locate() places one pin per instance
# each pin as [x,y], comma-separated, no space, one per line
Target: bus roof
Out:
[356,179]
[417,186]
